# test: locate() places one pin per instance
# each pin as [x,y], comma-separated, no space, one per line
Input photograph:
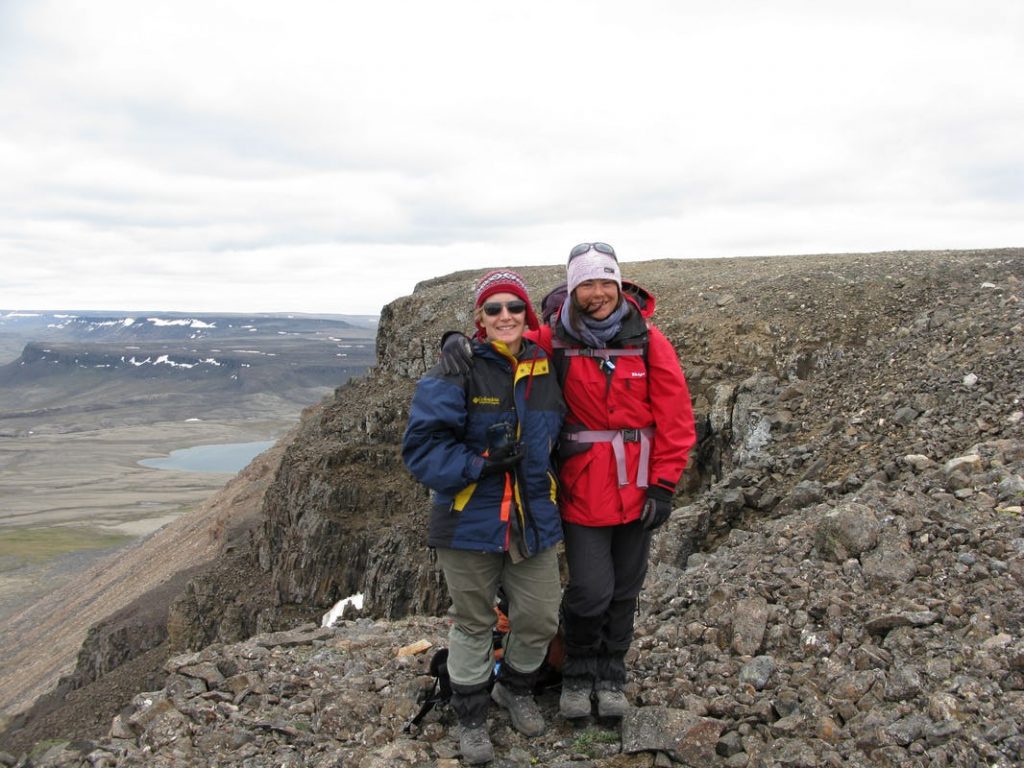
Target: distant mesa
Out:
[78,360]
[168,325]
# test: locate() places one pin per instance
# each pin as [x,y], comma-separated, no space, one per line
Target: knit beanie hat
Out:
[592,265]
[505,281]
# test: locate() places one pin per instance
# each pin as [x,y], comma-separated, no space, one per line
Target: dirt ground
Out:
[75,509]
[69,499]
[84,528]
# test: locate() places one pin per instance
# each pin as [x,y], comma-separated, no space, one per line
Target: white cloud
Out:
[326,156]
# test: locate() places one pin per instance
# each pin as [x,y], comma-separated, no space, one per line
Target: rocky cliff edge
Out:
[839,585]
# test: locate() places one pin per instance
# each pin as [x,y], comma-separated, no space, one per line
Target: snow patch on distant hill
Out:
[190,322]
[166,360]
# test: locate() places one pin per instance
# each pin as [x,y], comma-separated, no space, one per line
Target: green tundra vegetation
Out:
[20,546]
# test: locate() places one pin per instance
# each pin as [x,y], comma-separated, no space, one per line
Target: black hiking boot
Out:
[514,691]
[611,701]
[525,714]
[470,704]
[475,745]
[575,701]
[611,677]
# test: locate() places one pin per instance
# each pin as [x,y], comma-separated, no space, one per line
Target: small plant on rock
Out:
[588,741]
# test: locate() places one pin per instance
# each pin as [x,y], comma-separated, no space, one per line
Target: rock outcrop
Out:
[840,585]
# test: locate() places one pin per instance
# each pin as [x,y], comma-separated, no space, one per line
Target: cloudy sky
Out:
[324,156]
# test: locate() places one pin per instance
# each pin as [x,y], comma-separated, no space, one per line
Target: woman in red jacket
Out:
[624,446]
[625,443]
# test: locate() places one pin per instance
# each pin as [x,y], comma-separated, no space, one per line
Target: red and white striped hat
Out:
[506,281]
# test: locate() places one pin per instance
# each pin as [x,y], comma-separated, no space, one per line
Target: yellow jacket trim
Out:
[535,367]
[462,497]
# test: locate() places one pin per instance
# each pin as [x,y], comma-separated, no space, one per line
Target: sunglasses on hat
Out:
[582,248]
[514,307]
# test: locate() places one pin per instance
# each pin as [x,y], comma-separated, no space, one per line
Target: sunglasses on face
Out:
[582,248]
[515,307]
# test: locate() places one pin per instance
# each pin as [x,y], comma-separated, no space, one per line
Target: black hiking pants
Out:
[607,566]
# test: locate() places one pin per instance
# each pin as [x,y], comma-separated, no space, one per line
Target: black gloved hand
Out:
[501,440]
[498,466]
[456,354]
[657,508]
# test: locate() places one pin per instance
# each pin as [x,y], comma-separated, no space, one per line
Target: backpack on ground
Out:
[549,677]
[440,692]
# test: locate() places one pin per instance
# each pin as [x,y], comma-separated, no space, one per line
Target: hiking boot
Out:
[611,677]
[475,745]
[526,716]
[611,701]
[575,699]
[470,703]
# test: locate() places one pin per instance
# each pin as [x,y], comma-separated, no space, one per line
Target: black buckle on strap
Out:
[631,435]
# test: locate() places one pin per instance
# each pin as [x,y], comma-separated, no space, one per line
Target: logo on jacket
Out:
[481,400]
[639,374]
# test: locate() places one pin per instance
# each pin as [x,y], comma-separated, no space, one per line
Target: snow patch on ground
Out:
[339,608]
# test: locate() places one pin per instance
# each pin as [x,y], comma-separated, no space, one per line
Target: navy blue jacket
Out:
[445,441]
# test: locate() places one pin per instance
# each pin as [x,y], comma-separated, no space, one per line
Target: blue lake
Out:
[227,457]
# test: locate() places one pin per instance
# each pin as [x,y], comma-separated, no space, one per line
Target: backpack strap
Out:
[583,438]
[604,355]
[618,438]
[603,352]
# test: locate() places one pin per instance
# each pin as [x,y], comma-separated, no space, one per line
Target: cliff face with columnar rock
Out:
[840,583]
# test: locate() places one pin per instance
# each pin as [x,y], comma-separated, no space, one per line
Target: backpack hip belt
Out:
[618,438]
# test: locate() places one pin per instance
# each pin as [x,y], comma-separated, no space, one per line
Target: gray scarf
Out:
[594,333]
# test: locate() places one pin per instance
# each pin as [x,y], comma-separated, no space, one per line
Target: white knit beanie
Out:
[592,265]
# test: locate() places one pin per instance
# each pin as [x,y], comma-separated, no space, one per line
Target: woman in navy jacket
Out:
[481,440]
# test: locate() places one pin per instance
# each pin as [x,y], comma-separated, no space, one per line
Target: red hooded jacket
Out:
[634,395]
